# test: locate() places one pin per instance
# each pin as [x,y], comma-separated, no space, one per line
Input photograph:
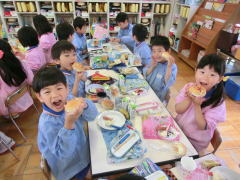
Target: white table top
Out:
[157,150]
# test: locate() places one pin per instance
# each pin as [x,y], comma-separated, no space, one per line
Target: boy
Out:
[125,33]
[79,39]
[141,48]
[64,53]
[61,138]
[162,72]
[65,31]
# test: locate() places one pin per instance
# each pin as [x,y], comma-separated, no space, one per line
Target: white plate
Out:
[226,173]
[92,87]
[118,119]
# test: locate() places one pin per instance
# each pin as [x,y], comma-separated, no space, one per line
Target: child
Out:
[61,138]
[34,57]
[79,39]
[125,33]
[198,117]
[13,73]
[65,54]
[162,72]
[141,48]
[65,31]
[46,36]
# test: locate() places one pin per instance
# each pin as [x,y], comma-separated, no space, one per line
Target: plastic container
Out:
[232,86]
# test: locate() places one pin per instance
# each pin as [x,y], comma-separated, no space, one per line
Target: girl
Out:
[12,74]
[35,57]
[198,117]
[46,36]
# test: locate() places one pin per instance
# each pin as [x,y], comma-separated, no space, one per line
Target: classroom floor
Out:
[28,167]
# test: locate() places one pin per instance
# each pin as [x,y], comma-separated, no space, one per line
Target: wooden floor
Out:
[28,167]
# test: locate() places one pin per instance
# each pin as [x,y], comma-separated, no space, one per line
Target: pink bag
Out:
[153,124]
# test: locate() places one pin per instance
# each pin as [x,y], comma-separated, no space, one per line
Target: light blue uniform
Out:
[125,35]
[144,52]
[80,43]
[70,77]
[66,151]
[156,79]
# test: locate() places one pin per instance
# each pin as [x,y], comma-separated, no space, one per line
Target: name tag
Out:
[159,76]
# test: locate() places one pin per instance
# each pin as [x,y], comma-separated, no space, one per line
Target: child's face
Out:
[157,52]
[207,77]
[66,59]
[82,30]
[54,96]
[123,25]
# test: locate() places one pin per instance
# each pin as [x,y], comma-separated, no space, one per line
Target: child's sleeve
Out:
[182,94]
[61,142]
[145,55]
[90,113]
[78,45]
[173,76]
[215,115]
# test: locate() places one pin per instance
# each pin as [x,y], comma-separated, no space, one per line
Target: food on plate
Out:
[108,120]
[95,90]
[104,58]
[128,71]
[107,104]
[78,67]
[125,113]
[166,55]
[95,42]
[179,149]
[114,91]
[97,76]
[124,57]
[197,91]
[208,164]
[137,62]
[73,104]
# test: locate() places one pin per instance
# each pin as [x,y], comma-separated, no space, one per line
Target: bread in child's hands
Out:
[78,67]
[208,164]
[166,55]
[197,91]
[73,104]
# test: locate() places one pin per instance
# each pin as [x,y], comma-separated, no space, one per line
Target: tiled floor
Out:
[28,167]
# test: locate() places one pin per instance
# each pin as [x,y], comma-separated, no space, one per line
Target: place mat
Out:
[112,136]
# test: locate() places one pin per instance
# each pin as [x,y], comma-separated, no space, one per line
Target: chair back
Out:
[216,140]
[18,93]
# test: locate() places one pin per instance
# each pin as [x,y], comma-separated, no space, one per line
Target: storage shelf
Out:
[190,62]
[7,17]
[183,5]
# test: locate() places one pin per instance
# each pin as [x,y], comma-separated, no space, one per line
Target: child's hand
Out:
[72,117]
[170,60]
[195,100]
[154,63]
[79,76]
[20,55]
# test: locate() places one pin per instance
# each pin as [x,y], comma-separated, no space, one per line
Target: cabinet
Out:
[155,15]
[202,31]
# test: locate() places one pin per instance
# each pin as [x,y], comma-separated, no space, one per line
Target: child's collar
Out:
[80,35]
[66,72]
[51,112]
[210,92]
[32,47]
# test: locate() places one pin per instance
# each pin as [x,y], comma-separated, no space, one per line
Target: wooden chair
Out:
[216,140]
[12,98]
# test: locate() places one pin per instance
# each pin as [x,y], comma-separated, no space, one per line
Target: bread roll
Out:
[73,104]
[197,91]
[78,67]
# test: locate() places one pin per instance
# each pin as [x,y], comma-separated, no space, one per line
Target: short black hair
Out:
[140,31]
[42,25]
[64,30]
[121,17]
[47,76]
[79,22]
[130,177]
[28,36]
[160,41]
[61,46]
